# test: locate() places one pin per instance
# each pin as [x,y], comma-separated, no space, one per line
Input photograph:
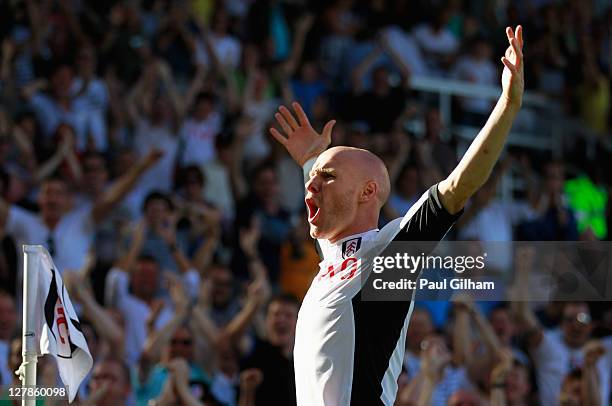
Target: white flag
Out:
[58,326]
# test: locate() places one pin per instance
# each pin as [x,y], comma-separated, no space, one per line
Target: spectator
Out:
[181,388]
[273,355]
[593,94]
[407,192]
[154,115]
[88,89]
[556,352]
[554,221]
[299,260]
[110,337]
[176,343]
[226,47]
[8,250]
[433,378]
[161,239]
[421,326]
[309,87]
[110,383]
[263,207]
[200,130]
[435,381]
[197,218]
[442,151]
[58,225]
[291,179]
[582,386]
[224,181]
[224,306]
[437,42]
[380,107]
[488,220]
[124,41]
[60,106]
[133,288]
[509,382]
[8,327]
[476,67]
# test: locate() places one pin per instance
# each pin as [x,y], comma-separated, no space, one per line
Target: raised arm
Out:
[434,359]
[62,153]
[520,297]
[113,195]
[302,26]
[239,324]
[593,350]
[104,324]
[499,376]
[158,339]
[476,165]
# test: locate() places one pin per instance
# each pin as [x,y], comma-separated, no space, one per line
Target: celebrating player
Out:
[348,351]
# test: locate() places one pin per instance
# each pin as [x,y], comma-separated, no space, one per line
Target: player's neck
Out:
[356,227]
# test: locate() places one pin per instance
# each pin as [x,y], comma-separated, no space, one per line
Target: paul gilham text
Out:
[422,283]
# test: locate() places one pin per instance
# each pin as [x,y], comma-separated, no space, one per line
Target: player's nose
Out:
[313,185]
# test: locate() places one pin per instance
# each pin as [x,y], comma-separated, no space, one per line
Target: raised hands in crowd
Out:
[134,146]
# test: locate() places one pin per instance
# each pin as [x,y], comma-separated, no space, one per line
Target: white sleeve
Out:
[191,282]
[116,286]
[18,219]
[43,107]
[545,351]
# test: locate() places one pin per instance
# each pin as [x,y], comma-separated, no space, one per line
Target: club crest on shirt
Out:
[350,247]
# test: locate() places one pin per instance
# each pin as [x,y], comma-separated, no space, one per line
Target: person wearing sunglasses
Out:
[558,351]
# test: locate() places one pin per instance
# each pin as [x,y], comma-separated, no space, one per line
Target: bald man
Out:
[349,351]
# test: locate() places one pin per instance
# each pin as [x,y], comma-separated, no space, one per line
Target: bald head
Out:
[346,189]
[364,167]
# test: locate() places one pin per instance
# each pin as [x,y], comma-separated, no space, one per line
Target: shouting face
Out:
[346,190]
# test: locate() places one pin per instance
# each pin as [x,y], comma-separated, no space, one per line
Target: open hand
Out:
[249,238]
[301,140]
[503,365]
[513,82]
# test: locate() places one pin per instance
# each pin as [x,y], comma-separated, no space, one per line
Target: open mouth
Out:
[313,209]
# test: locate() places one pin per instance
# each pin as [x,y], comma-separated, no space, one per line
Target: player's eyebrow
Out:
[329,171]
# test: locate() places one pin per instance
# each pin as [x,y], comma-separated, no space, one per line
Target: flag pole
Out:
[29,340]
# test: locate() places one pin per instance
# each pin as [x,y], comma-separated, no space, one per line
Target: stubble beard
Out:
[335,220]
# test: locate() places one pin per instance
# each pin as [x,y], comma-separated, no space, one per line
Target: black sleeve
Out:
[429,222]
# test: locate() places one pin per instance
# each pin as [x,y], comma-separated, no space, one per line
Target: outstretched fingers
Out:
[278,136]
[519,35]
[283,123]
[509,65]
[300,113]
[509,33]
[289,117]
[515,39]
[517,51]
[327,130]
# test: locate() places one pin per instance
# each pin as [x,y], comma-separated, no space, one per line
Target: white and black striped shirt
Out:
[349,351]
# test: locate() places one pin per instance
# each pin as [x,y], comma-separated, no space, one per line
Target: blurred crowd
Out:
[134,146]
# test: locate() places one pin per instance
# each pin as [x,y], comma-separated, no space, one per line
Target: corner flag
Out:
[50,324]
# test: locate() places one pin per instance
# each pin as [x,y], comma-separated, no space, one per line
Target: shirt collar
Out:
[346,247]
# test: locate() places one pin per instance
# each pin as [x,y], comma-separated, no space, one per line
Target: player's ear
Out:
[369,192]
